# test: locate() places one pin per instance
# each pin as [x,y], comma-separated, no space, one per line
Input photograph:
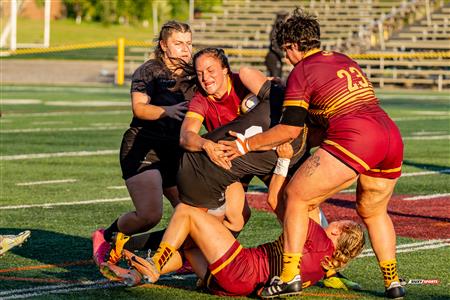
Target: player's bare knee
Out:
[149,218]
[291,193]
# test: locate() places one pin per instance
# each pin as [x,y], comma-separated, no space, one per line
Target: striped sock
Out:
[389,270]
[163,254]
[291,266]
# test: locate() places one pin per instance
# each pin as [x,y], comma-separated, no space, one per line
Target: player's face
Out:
[334,229]
[292,54]
[178,46]
[211,75]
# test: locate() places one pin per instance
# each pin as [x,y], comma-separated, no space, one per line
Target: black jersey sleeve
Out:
[143,78]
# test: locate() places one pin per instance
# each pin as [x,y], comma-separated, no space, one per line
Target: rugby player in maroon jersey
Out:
[361,144]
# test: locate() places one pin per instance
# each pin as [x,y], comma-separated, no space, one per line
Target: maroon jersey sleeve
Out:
[198,107]
[297,91]
[317,246]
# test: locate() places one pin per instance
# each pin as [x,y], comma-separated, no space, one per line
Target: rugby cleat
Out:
[116,273]
[8,242]
[395,291]
[339,281]
[119,241]
[278,288]
[146,267]
[100,247]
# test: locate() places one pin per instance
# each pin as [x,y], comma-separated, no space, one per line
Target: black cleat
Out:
[395,291]
[278,288]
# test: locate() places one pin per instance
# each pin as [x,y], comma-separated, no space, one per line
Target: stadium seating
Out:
[376,27]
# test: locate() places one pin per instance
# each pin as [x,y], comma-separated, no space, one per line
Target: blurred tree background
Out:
[133,11]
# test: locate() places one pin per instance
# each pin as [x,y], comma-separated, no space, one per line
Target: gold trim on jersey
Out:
[348,153]
[311,52]
[191,114]
[341,101]
[387,171]
[356,94]
[298,103]
[227,262]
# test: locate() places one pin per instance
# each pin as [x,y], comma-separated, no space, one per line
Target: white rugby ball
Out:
[249,102]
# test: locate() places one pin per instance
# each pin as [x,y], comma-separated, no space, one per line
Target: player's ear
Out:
[163,45]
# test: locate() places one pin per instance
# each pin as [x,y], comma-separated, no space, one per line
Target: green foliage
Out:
[127,11]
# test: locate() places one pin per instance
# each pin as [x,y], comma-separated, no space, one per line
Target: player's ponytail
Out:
[349,245]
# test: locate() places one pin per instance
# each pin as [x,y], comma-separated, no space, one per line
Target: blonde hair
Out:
[349,245]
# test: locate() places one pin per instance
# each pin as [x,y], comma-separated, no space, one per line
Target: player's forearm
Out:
[273,137]
[148,111]
[192,141]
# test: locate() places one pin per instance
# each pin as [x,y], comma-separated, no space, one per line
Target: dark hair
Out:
[300,28]
[215,52]
[166,31]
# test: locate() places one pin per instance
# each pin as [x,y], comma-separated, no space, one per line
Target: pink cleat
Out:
[100,247]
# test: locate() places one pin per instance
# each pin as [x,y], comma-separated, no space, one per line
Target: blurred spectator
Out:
[274,58]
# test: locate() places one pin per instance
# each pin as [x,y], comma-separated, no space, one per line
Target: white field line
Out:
[28,130]
[99,90]
[116,187]
[426,197]
[58,154]
[20,101]
[443,171]
[51,122]
[46,182]
[407,96]
[88,103]
[57,290]
[399,119]
[433,244]
[50,205]
[430,137]
[100,284]
[429,132]
[75,287]
[68,113]
[55,286]
[413,174]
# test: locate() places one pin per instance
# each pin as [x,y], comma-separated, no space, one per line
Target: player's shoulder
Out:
[150,69]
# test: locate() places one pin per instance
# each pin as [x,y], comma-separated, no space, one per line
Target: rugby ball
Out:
[249,102]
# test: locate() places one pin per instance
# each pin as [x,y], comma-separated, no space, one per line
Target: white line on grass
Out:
[100,284]
[87,103]
[67,113]
[20,101]
[428,132]
[430,137]
[28,130]
[57,290]
[46,182]
[49,287]
[433,244]
[399,119]
[443,171]
[50,205]
[51,122]
[426,197]
[58,154]
[117,187]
